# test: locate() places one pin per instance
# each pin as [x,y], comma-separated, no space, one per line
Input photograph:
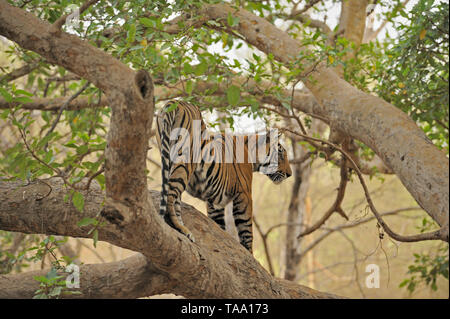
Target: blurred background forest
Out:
[404,59]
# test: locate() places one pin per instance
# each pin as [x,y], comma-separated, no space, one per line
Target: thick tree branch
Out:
[132,277]
[234,272]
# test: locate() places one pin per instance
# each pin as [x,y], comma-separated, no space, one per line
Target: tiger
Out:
[197,166]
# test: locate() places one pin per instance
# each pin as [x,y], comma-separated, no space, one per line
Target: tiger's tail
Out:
[163,141]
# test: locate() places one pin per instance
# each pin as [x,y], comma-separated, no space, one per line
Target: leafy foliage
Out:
[410,70]
[418,78]
[426,270]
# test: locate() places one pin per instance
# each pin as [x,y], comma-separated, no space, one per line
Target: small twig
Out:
[151,160]
[355,262]
[49,192]
[296,118]
[302,159]
[102,169]
[17,73]
[307,6]
[58,172]
[385,255]
[62,108]
[33,154]
[94,251]
[266,247]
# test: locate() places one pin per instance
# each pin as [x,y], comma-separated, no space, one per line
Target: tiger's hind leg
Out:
[242,214]
[217,214]
[176,184]
[172,185]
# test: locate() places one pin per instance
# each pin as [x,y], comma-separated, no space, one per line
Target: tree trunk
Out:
[296,215]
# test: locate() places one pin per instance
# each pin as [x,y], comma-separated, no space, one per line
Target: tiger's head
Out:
[275,165]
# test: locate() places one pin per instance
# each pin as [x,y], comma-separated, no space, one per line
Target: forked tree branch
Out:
[337,205]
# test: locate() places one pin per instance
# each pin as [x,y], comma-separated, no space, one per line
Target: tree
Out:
[106,197]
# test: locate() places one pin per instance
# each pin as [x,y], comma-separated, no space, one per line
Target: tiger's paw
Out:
[186,232]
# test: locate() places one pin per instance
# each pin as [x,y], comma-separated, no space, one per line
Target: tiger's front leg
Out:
[242,214]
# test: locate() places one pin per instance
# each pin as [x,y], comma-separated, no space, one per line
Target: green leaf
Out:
[23,92]
[187,68]
[95,237]
[231,20]
[8,97]
[87,221]
[233,95]
[172,107]
[52,274]
[131,34]
[101,180]
[189,87]
[42,279]
[82,149]
[46,139]
[147,22]
[78,201]
[201,68]
[4,114]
